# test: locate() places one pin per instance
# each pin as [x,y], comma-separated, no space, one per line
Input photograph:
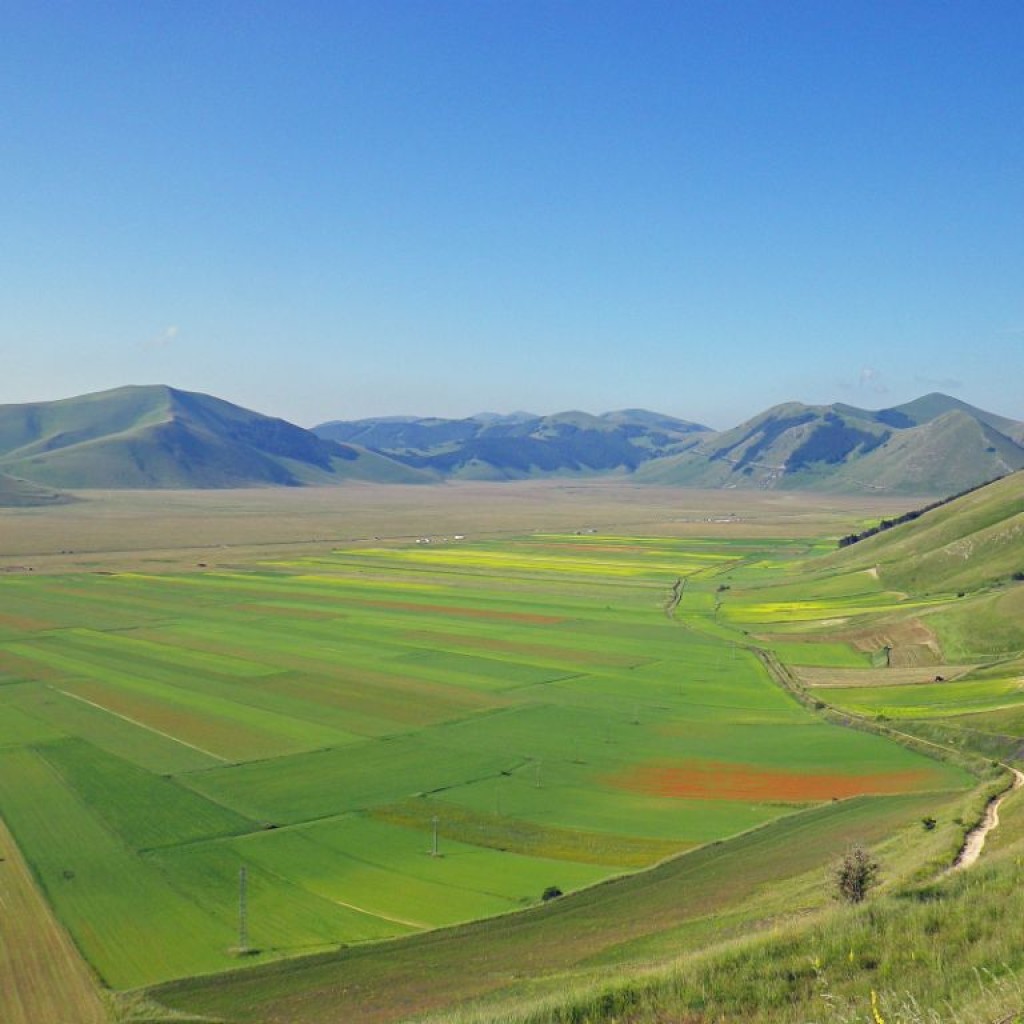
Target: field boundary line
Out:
[142,725]
[420,925]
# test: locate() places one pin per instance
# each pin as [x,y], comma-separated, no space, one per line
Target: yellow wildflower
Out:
[875,1012]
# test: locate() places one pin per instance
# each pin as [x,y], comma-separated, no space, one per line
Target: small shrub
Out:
[552,892]
[929,823]
[855,875]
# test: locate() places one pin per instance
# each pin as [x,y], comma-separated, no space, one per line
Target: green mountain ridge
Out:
[934,445]
[160,437]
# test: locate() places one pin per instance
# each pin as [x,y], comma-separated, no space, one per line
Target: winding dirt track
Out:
[974,843]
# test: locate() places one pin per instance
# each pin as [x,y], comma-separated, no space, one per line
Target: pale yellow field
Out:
[43,980]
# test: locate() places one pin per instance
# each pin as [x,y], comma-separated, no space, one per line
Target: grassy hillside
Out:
[943,455]
[931,407]
[975,541]
[161,437]
[15,493]
[936,445]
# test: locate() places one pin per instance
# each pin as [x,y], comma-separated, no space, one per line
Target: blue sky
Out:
[333,210]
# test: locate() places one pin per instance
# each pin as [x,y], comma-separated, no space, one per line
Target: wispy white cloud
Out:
[871,379]
[162,340]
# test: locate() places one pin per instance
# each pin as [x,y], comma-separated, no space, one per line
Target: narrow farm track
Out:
[974,842]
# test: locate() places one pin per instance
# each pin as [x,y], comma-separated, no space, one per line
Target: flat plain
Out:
[404,709]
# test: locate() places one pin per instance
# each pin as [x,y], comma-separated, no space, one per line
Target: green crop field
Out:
[551,710]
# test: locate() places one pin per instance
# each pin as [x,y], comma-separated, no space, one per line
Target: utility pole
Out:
[243,910]
[433,849]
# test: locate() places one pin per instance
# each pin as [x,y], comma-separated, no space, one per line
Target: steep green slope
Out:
[974,541]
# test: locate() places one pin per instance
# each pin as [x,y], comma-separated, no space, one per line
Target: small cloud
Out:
[939,383]
[871,380]
[162,340]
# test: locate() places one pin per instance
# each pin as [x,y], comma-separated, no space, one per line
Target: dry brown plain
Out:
[115,530]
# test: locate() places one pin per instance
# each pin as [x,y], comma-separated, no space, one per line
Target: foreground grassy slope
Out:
[941,954]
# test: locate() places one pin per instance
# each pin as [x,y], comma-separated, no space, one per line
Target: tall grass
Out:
[939,954]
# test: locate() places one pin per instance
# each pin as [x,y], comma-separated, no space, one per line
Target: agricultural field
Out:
[398,737]
[43,979]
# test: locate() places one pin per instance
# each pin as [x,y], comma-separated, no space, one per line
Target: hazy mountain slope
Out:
[399,433]
[969,542]
[518,446]
[15,493]
[931,407]
[772,449]
[943,455]
[156,436]
[936,445]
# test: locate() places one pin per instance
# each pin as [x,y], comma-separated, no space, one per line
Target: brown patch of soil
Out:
[910,643]
[721,780]
[826,678]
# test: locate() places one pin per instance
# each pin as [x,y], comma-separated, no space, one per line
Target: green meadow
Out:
[399,738]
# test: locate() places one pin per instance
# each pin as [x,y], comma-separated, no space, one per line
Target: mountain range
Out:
[160,437]
[490,447]
[933,445]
